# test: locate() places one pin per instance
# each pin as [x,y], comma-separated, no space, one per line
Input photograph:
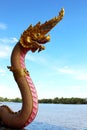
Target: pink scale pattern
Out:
[33,91]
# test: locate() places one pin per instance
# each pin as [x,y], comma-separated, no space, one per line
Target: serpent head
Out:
[34,36]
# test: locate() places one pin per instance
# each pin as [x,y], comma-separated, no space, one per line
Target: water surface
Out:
[57,117]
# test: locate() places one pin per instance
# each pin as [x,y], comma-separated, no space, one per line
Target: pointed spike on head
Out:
[30,27]
[37,25]
[48,25]
[61,13]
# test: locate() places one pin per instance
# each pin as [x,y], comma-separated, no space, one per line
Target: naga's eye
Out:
[38,34]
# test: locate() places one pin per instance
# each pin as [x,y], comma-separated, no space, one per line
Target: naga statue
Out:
[32,39]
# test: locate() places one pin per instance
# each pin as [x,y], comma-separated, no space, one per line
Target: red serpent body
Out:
[29,96]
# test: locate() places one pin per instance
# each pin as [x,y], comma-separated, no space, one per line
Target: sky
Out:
[61,69]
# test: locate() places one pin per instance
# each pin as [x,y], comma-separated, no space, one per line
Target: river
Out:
[56,117]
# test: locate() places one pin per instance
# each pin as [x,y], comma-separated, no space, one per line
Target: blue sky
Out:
[61,69]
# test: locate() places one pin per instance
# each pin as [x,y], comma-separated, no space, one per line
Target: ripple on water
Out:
[39,126]
[44,126]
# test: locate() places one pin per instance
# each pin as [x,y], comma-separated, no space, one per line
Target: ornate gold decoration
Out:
[34,36]
[19,72]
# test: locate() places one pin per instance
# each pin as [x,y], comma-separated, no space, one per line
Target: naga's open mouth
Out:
[44,40]
[37,43]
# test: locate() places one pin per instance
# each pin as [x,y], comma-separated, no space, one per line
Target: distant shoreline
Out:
[52,101]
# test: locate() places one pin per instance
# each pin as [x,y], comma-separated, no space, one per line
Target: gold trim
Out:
[19,72]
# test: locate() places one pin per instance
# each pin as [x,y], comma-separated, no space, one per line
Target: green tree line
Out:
[54,101]
[64,100]
[10,100]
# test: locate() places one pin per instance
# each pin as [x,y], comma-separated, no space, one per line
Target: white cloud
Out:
[5,51]
[78,74]
[8,40]
[14,39]
[3,26]
[5,46]
[77,91]
[10,92]
[36,58]
[2,72]
[31,58]
[66,70]
[72,91]
[81,76]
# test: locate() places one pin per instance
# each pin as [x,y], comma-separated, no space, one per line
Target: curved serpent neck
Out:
[32,38]
[28,92]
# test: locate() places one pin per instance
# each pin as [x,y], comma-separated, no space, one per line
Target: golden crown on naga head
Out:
[34,36]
